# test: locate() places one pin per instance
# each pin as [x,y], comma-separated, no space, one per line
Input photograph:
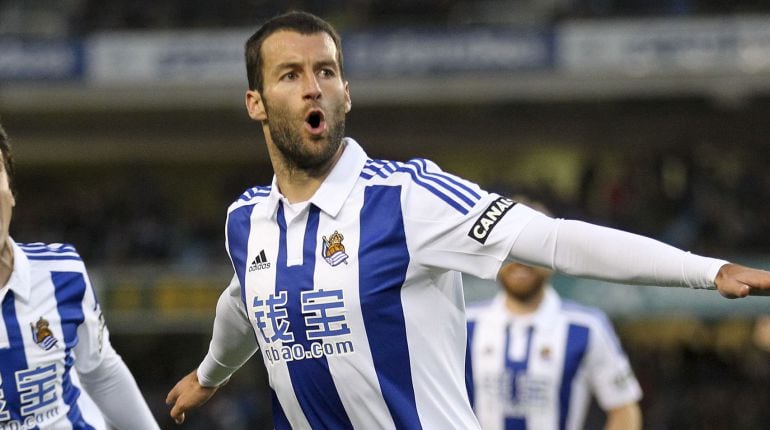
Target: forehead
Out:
[289,46]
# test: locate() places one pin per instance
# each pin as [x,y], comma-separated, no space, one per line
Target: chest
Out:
[34,354]
[299,252]
[315,271]
[39,331]
[534,352]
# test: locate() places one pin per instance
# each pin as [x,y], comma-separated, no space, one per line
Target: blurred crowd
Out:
[118,215]
[701,197]
[701,374]
[78,17]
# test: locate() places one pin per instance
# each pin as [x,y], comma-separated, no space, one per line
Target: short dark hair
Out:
[300,22]
[5,148]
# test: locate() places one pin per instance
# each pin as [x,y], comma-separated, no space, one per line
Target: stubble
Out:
[310,157]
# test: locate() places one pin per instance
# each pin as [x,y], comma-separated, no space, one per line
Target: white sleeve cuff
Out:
[212,373]
[712,273]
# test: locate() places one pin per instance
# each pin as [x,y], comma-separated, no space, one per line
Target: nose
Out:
[312,89]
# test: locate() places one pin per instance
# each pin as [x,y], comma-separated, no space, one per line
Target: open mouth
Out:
[315,120]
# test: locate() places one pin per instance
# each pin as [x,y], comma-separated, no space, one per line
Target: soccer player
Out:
[348,269]
[535,360]
[56,361]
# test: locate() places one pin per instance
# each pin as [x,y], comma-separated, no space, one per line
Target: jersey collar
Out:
[19,280]
[543,316]
[549,308]
[335,189]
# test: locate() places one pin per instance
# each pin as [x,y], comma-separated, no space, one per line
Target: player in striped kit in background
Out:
[535,360]
[54,346]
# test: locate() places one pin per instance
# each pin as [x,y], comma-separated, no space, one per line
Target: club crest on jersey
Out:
[333,249]
[489,219]
[43,335]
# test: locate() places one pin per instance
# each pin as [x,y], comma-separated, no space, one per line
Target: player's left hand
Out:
[735,281]
[187,394]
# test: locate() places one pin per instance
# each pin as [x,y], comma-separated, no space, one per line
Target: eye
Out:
[327,73]
[290,76]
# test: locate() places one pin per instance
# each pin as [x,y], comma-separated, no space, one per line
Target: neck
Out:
[518,306]
[6,262]
[298,184]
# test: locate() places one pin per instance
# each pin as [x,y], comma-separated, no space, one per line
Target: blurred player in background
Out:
[348,269]
[535,360]
[54,346]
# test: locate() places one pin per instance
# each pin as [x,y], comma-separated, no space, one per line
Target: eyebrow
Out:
[296,64]
[327,63]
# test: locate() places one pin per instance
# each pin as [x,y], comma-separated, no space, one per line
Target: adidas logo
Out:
[260,262]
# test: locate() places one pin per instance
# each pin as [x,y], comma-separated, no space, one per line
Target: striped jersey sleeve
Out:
[452,223]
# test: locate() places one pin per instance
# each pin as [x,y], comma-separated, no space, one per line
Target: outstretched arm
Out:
[587,250]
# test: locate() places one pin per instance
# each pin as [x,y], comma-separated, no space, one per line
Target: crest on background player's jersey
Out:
[333,249]
[43,335]
[545,353]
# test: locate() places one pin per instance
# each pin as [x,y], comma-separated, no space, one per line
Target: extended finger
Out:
[172,396]
[177,414]
[734,290]
[757,279]
[759,292]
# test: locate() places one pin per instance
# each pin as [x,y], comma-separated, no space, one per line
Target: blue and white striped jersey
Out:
[539,371]
[50,316]
[355,297]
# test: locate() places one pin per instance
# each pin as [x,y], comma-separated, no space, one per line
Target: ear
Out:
[348,102]
[255,106]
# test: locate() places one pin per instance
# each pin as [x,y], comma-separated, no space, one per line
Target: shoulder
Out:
[49,251]
[426,178]
[594,318]
[251,196]
[378,170]
[52,257]
[414,169]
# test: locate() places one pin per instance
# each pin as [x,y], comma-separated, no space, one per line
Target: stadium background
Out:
[131,139]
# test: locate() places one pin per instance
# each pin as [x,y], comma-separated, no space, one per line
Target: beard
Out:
[287,137]
[523,285]
[524,295]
